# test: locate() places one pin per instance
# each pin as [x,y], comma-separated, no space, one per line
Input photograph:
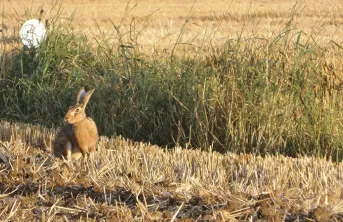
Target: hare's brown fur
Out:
[80,135]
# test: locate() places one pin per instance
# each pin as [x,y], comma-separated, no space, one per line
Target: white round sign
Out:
[32,33]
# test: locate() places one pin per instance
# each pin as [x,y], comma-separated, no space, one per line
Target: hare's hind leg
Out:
[92,148]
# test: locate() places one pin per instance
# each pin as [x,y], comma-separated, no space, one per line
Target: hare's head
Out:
[77,112]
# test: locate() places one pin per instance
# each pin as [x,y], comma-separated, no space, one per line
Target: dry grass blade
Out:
[8,194]
[177,212]
[14,209]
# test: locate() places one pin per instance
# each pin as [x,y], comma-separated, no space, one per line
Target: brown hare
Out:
[80,135]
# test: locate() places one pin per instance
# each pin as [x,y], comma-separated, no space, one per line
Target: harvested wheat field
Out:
[159,23]
[135,181]
[207,110]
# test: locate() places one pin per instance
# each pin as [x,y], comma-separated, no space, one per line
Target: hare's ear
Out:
[86,98]
[80,97]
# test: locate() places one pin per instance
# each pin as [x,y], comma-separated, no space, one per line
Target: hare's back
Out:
[86,132]
[92,129]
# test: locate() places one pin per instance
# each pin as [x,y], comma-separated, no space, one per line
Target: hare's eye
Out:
[77,110]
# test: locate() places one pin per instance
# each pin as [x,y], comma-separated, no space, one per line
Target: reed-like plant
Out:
[276,95]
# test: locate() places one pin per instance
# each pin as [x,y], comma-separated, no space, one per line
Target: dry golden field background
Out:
[161,21]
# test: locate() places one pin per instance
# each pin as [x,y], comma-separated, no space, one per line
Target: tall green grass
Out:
[274,95]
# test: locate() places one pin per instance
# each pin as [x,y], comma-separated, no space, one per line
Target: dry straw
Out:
[132,181]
